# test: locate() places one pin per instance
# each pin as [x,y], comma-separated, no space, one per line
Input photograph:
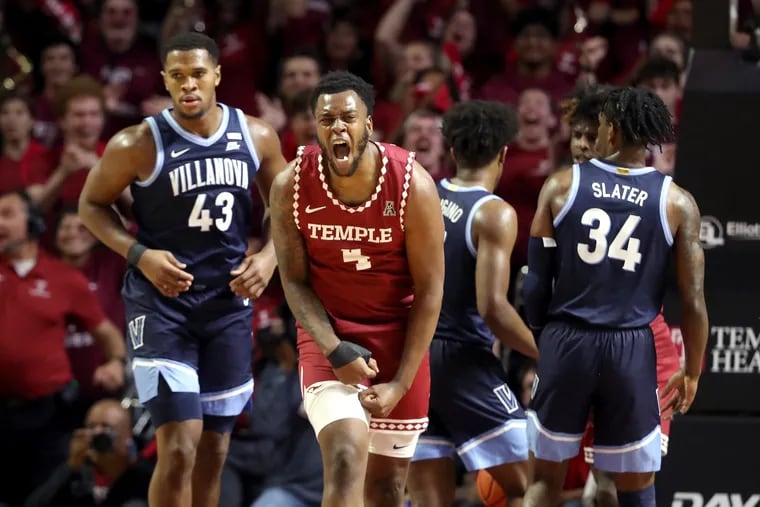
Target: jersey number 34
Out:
[624,247]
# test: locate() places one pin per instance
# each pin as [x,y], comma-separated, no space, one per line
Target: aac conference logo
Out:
[711,232]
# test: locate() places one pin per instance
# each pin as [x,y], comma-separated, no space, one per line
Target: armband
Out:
[346,352]
[135,252]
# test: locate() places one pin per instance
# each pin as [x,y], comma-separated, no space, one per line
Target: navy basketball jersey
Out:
[197,202]
[614,244]
[459,319]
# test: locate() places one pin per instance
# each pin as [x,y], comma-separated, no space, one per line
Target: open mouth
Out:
[341,151]
[423,146]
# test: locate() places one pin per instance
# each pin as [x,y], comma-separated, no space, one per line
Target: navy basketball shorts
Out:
[191,355]
[472,411]
[613,372]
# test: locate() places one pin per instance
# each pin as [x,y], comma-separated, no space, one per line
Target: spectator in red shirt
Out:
[57,66]
[39,296]
[679,18]
[421,133]
[302,126]
[19,151]
[398,64]
[529,162]
[298,24]
[126,64]
[299,73]
[343,49]
[669,45]
[80,108]
[104,270]
[536,31]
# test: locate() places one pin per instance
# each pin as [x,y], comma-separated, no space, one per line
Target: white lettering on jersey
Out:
[350,233]
[208,172]
[623,192]
[451,210]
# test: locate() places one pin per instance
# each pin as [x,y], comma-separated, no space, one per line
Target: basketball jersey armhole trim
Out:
[156,133]
[297,185]
[470,217]
[664,209]
[571,197]
[195,139]
[247,138]
[405,189]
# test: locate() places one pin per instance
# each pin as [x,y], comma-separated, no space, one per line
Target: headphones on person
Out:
[35,225]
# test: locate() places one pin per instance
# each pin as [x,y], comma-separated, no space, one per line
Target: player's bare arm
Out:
[126,154]
[253,275]
[494,231]
[542,247]
[270,152]
[685,221]
[424,249]
[293,263]
[130,155]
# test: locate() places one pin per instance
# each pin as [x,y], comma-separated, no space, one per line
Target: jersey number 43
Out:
[201,217]
[624,246]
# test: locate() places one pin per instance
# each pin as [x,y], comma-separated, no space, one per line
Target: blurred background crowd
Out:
[74,72]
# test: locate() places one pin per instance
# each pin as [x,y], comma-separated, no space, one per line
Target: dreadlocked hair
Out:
[641,116]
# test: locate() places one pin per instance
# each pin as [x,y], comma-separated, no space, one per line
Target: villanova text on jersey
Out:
[459,319]
[614,244]
[197,202]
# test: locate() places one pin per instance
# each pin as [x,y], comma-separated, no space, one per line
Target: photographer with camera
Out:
[103,467]
[39,297]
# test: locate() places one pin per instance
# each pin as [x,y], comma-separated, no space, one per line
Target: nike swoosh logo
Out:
[396,446]
[309,209]
[176,154]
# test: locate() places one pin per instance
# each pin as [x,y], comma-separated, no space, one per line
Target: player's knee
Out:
[177,447]
[179,459]
[212,449]
[342,457]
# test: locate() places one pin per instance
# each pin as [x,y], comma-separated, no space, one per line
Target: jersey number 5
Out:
[355,255]
[623,247]
[201,217]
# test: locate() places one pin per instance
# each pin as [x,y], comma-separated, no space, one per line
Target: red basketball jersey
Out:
[357,254]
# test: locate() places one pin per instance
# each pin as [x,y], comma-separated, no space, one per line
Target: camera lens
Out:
[102,442]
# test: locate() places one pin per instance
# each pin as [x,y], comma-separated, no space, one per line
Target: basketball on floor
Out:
[489,491]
